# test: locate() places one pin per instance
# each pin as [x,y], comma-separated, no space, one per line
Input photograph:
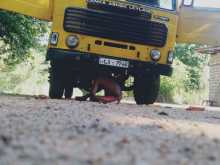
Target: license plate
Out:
[113,62]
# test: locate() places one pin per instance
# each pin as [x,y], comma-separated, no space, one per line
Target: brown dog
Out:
[112,91]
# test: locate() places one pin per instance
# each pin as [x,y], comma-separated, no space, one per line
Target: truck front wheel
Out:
[146,89]
[60,80]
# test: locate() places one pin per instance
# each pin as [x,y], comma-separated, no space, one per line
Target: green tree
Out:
[187,83]
[194,61]
[18,34]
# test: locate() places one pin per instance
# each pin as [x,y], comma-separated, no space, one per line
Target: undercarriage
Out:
[77,70]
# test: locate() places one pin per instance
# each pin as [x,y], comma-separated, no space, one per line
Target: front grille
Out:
[115,26]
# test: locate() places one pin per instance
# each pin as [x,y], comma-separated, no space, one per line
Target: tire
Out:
[146,89]
[60,81]
[68,89]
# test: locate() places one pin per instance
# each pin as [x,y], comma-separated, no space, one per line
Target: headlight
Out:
[54,38]
[170,57]
[72,41]
[155,54]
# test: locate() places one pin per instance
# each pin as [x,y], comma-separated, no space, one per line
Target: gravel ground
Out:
[59,132]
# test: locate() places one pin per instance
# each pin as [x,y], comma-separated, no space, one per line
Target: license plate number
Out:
[113,62]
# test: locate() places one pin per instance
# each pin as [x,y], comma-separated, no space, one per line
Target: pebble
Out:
[163,114]
[6,139]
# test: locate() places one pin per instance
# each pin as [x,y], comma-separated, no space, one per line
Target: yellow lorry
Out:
[118,38]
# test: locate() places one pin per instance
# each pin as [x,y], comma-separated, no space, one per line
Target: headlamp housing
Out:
[155,55]
[72,41]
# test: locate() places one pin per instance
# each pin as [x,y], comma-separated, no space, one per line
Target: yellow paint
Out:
[41,9]
[53,10]
[199,25]
[110,51]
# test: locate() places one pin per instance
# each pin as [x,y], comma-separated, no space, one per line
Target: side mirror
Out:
[188,3]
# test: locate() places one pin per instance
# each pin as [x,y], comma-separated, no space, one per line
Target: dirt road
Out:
[58,132]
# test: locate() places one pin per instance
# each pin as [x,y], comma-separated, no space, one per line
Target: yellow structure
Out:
[42,9]
[117,39]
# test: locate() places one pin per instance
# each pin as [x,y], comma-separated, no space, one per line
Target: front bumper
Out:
[92,60]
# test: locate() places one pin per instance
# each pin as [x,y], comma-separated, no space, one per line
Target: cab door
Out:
[41,9]
[199,22]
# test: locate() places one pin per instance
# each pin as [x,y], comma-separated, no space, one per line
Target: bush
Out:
[167,88]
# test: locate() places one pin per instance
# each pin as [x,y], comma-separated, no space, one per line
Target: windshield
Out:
[164,4]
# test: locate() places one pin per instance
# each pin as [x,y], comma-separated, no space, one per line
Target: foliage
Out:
[188,55]
[28,77]
[18,34]
[194,61]
[187,85]
[167,88]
